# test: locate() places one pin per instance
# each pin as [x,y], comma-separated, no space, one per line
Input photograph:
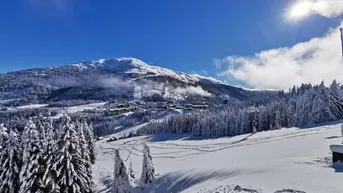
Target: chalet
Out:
[117,111]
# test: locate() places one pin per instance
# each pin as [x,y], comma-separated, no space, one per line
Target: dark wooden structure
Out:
[337,153]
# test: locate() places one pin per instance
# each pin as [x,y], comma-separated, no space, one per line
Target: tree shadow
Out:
[179,181]
[245,138]
[289,191]
[108,181]
[333,137]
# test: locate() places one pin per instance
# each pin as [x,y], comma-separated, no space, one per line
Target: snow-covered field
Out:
[80,108]
[295,159]
[34,106]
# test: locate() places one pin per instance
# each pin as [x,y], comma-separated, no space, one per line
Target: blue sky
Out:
[184,35]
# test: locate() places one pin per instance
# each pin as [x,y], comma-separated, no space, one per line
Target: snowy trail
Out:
[288,158]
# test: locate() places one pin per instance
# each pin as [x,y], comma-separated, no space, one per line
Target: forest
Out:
[301,106]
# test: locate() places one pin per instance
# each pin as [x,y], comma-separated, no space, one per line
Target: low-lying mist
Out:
[117,83]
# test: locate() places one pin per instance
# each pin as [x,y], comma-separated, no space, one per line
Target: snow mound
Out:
[231,189]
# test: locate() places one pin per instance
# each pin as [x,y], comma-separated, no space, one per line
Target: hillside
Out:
[119,78]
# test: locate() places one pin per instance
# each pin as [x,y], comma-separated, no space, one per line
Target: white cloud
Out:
[218,63]
[192,90]
[308,62]
[325,8]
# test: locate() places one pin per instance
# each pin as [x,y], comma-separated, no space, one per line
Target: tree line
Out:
[302,106]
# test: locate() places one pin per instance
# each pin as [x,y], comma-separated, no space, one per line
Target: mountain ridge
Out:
[102,78]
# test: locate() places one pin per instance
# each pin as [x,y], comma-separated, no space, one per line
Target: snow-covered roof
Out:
[337,148]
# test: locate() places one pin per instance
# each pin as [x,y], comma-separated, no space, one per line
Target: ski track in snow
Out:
[284,160]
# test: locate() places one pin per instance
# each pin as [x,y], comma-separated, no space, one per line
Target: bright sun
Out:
[305,8]
[300,9]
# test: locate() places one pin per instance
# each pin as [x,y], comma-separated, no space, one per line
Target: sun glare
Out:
[305,8]
[300,9]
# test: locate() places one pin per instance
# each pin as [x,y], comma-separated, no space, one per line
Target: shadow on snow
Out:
[178,181]
[160,137]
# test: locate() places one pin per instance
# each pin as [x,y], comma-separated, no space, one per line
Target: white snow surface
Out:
[33,106]
[75,109]
[281,160]
[337,148]
[131,65]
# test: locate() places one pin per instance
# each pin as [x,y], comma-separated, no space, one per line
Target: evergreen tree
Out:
[89,136]
[321,109]
[85,154]
[47,183]
[277,120]
[290,115]
[123,183]
[3,135]
[336,100]
[304,108]
[10,165]
[32,155]
[148,168]
[69,171]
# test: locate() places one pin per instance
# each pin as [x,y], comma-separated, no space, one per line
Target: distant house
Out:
[119,111]
[116,111]
[192,106]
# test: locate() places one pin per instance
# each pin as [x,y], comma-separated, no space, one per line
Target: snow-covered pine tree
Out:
[32,159]
[89,136]
[262,119]
[304,106]
[85,154]
[40,127]
[123,183]
[3,135]
[148,168]
[321,110]
[335,89]
[10,165]
[336,100]
[47,183]
[68,169]
[290,114]
[277,120]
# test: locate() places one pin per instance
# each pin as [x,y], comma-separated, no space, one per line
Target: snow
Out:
[33,106]
[3,101]
[129,65]
[337,148]
[207,78]
[75,109]
[283,160]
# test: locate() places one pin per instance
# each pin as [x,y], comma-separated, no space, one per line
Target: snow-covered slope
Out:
[133,66]
[102,78]
[294,159]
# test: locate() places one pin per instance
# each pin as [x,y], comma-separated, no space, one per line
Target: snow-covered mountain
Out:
[118,78]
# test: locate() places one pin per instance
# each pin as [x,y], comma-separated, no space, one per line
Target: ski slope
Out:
[294,159]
